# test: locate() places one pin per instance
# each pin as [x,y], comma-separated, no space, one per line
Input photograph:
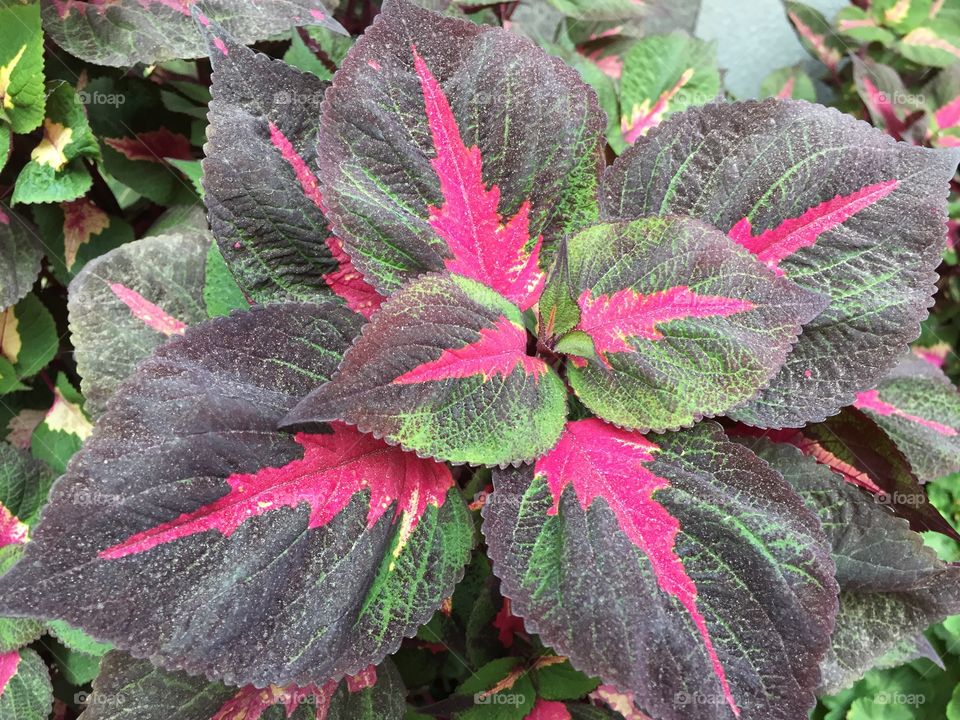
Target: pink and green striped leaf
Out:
[25,688]
[679,323]
[127,687]
[442,369]
[129,301]
[838,207]
[631,553]
[892,586]
[918,406]
[222,546]
[259,173]
[24,484]
[446,145]
[662,75]
[127,32]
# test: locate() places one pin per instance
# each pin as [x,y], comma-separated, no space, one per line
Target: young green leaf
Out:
[684,323]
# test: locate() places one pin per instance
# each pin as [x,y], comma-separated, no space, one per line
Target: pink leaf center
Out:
[151,315]
[605,462]
[500,350]
[12,530]
[773,246]
[333,469]
[349,284]
[153,146]
[613,319]
[9,663]
[305,176]
[483,246]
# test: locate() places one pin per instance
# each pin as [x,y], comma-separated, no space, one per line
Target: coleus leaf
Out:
[892,587]
[277,560]
[24,484]
[838,207]
[262,192]
[603,549]
[854,446]
[77,231]
[662,75]
[126,303]
[20,256]
[683,323]
[919,408]
[789,83]
[127,32]
[447,145]
[64,428]
[443,369]
[815,34]
[22,96]
[56,172]
[137,689]
[857,24]
[25,689]
[936,43]
[28,339]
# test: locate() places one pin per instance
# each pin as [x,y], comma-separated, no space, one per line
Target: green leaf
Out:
[221,293]
[858,25]
[442,368]
[789,82]
[662,75]
[76,232]
[76,639]
[329,46]
[28,336]
[22,96]
[935,43]
[56,171]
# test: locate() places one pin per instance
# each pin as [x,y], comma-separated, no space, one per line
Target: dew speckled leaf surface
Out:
[633,554]
[127,32]
[20,256]
[438,134]
[837,206]
[219,545]
[259,173]
[684,324]
[443,369]
[124,304]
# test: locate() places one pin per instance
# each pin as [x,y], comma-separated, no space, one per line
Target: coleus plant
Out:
[439,274]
